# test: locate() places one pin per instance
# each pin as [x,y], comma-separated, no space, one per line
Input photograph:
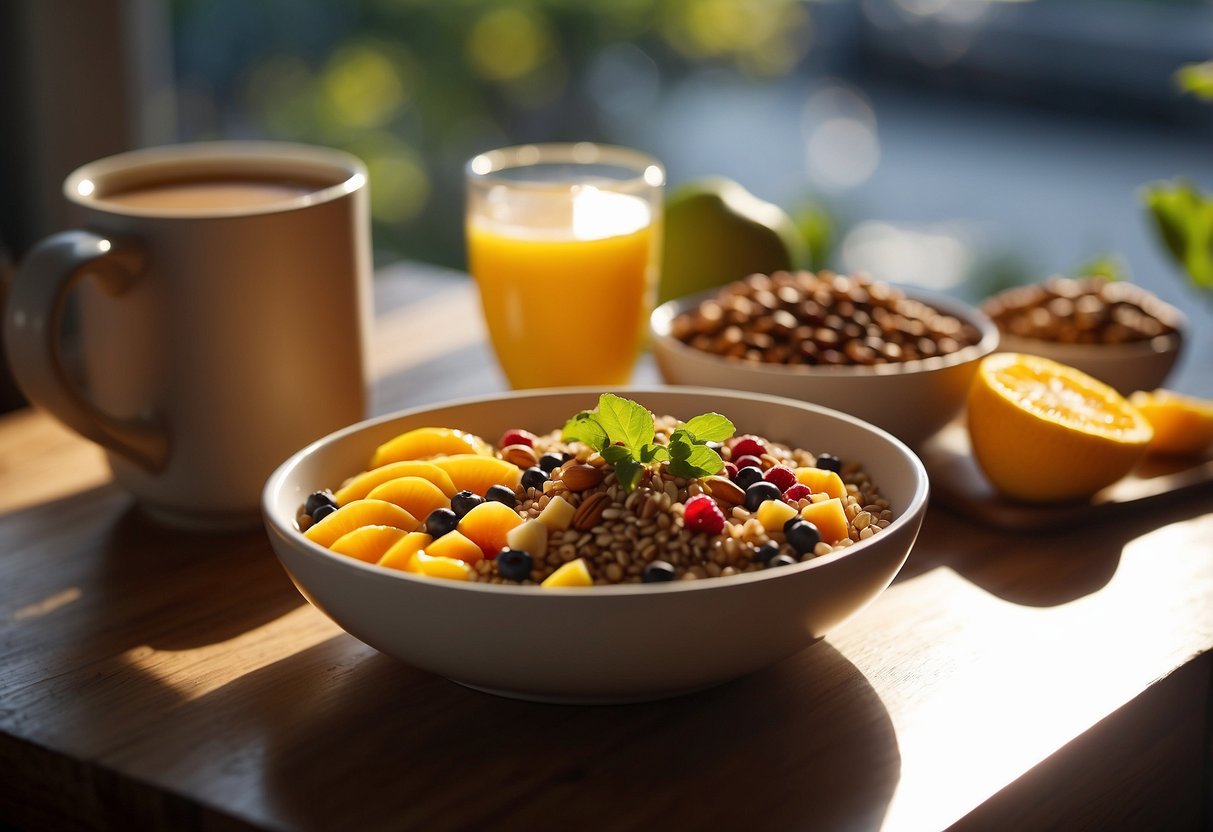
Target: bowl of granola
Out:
[899,357]
[577,546]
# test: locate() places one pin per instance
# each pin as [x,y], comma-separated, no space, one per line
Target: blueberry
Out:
[657,572]
[550,462]
[803,536]
[441,521]
[318,499]
[829,462]
[465,501]
[796,519]
[764,553]
[534,477]
[781,560]
[322,511]
[501,494]
[514,564]
[747,476]
[759,493]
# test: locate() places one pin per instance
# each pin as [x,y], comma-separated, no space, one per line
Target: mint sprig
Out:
[623,432]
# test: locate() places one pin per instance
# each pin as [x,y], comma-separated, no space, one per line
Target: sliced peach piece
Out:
[368,543]
[475,473]
[829,517]
[820,480]
[573,573]
[451,569]
[362,484]
[415,495]
[455,545]
[357,514]
[488,525]
[427,443]
[402,551]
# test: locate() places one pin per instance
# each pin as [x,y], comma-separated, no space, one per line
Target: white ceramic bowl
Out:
[912,400]
[1138,365]
[601,643]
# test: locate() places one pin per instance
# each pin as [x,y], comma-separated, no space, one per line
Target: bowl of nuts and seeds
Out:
[900,358]
[1115,331]
[560,545]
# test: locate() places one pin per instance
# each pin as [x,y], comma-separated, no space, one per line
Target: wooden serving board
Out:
[958,484]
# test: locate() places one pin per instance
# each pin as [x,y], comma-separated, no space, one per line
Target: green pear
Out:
[717,232]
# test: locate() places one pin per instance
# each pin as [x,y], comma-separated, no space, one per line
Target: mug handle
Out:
[32,329]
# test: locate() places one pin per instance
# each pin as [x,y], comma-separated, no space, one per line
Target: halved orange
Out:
[1044,432]
[360,485]
[368,543]
[427,443]
[357,514]
[1183,425]
[415,495]
[471,472]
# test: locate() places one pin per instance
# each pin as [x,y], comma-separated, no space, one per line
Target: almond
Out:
[589,513]
[581,477]
[521,455]
[724,491]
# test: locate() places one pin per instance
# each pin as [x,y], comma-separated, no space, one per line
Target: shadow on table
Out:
[374,744]
[1045,568]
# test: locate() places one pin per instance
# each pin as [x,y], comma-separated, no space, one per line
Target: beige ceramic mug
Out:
[224,305]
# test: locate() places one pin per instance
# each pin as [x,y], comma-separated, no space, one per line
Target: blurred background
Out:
[962,144]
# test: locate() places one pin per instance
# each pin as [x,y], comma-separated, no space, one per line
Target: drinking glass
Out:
[564,241]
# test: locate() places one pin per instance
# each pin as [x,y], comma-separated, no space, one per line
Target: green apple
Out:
[717,232]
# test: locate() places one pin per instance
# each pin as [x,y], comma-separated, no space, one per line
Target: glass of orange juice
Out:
[564,241]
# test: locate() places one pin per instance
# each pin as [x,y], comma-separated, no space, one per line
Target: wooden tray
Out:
[957,483]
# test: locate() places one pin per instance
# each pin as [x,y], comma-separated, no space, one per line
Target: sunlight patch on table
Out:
[197,671]
[48,604]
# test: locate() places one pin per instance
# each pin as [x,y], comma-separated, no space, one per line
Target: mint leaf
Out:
[625,421]
[615,454]
[702,462]
[654,453]
[584,427]
[628,473]
[680,449]
[710,427]
[1183,217]
[1196,79]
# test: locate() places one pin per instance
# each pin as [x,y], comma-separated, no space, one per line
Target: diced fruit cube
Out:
[821,480]
[440,566]
[359,486]
[415,495]
[475,473]
[357,514]
[402,551]
[557,514]
[367,543]
[457,546]
[427,443]
[573,573]
[530,536]
[829,518]
[488,526]
[772,514]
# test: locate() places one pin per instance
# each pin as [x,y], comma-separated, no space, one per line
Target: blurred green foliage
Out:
[415,88]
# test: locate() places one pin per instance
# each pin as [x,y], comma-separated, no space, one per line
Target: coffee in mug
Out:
[224,299]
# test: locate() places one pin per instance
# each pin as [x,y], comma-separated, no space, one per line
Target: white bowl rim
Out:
[276,480]
[663,316]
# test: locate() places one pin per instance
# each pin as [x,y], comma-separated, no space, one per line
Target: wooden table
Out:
[153,679]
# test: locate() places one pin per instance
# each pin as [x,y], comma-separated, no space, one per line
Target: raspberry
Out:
[748,446]
[517,436]
[703,515]
[781,476]
[797,492]
[747,461]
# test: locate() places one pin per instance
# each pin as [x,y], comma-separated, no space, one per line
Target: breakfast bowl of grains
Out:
[578,546]
[900,358]
[1116,331]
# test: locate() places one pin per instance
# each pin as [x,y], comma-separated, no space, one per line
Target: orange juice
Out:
[566,284]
